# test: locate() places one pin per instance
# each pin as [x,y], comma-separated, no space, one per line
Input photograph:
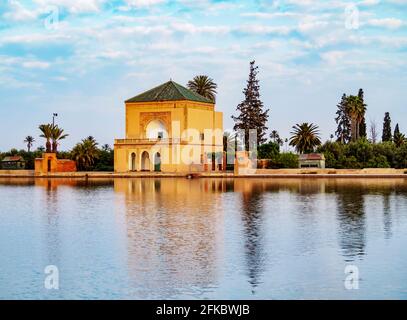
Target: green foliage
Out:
[268,150]
[396,130]
[204,86]
[362,124]
[29,157]
[305,137]
[85,154]
[399,139]
[387,135]
[29,140]
[356,110]
[400,157]
[362,150]
[379,161]
[105,162]
[364,154]
[343,131]
[57,134]
[251,112]
[350,118]
[46,132]
[287,160]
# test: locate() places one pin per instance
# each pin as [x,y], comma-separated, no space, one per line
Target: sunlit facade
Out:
[169,129]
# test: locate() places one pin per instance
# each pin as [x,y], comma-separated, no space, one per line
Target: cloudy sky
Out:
[83,58]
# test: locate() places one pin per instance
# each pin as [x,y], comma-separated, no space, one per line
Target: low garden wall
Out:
[23,173]
[368,171]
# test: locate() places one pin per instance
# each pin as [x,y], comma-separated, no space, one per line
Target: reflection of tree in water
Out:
[387,214]
[252,215]
[352,222]
[52,236]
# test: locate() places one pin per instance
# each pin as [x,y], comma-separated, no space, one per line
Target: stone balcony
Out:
[149,141]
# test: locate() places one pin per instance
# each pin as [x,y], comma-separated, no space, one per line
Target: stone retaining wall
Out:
[261,173]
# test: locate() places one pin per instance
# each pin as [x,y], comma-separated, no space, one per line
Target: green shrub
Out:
[268,150]
[379,161]
[400,157]
[286,160]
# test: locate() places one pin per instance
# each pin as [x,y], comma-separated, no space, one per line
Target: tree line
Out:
[349,147]
[87,154]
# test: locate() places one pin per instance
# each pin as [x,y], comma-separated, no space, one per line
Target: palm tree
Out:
[399,139]
[57,135]
[46,130]
[274,135]
[356,110]
[106,147]
[204,86]
[85,153]
[29,140]
[305,137]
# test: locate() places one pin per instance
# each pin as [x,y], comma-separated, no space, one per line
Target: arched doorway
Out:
[133,162]
[157,162]
[145,161]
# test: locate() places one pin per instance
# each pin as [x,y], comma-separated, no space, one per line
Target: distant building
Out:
[13,163]
[158,127]
[312,160]
[49,163]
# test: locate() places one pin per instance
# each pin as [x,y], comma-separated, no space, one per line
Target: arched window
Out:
[133,162]
[145,161]
[156,130]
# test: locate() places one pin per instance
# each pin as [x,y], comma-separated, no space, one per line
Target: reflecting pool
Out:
[203,238]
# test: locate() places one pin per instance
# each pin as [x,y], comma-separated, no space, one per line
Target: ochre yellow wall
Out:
[187,114]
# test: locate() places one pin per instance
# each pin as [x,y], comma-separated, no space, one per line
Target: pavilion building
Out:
[170,129]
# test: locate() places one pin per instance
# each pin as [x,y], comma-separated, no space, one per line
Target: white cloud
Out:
[263,29]
[389,23]
[35,64]
[333,57]
[271,15]
[193,29]
[144,3]
[29,38]
[17,12]
[7,61]
[73,6]
[368,3]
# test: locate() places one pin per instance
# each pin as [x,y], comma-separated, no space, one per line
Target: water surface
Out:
[205,238]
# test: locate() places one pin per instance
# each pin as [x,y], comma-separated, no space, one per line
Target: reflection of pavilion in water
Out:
[174,231]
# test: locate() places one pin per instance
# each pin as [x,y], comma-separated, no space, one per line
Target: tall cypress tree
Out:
[362,125]
[251,112]
[396,131]
[386,136]
[343,132]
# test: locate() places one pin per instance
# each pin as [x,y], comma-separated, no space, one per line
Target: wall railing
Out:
[148,141]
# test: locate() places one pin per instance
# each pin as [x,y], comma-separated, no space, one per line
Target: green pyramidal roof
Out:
[169,91]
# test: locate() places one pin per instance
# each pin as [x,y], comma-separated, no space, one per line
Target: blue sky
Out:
[83,58]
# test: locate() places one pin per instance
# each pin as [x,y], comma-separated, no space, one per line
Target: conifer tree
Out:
[252,115]
[343,132]
[386,136]
[362,125]
[396,131]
